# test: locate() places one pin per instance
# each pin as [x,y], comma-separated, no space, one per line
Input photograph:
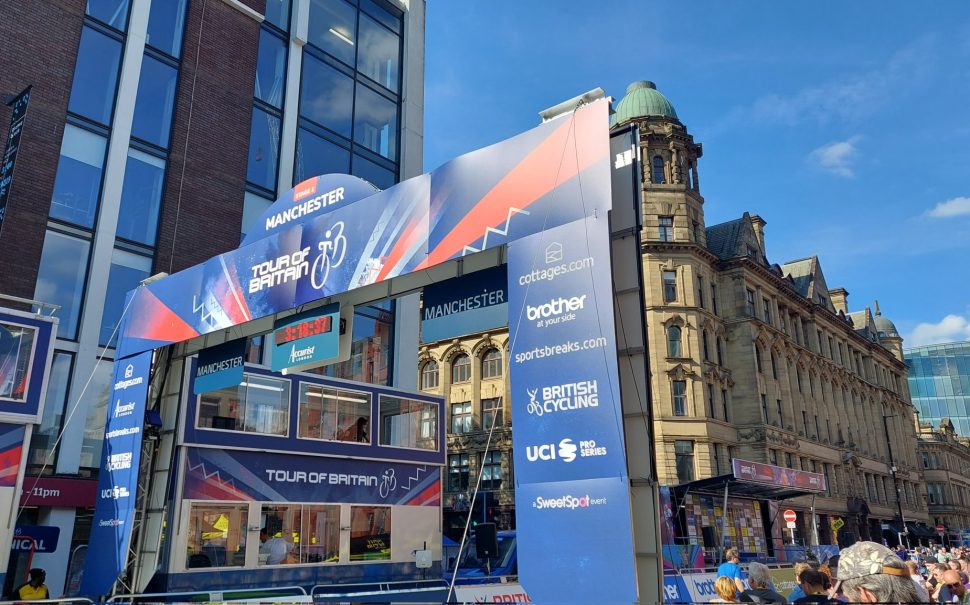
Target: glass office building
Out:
[939,383]
[161,130]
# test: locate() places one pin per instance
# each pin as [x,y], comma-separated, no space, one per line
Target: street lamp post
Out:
[892,468]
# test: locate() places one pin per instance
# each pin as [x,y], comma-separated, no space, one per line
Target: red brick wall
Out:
[40,40]
[202,213]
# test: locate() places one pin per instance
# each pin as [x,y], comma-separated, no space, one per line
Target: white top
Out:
[276,548]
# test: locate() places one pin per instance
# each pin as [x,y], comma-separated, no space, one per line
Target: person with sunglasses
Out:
[953,590]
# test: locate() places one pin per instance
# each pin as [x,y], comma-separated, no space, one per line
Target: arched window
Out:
[673,341]
[658,169]
[429,375]
[757,358]
[492,364]
[461,369]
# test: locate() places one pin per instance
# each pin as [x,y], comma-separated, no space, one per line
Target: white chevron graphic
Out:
[415,479]
[503,232]
[207,475]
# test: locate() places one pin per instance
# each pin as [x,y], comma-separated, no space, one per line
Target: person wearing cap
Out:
[871,573]
[34,589]
[953,590]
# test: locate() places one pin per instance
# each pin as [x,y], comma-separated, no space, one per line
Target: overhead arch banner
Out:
[546,193]
[331,234]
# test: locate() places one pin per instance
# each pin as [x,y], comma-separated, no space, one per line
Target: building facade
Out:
[939,380]
[471,373]
[762,361]
[157,132]
[945,456]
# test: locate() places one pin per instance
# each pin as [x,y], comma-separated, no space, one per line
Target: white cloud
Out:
[956,207]
[848,97]
[949,329]
[837,157]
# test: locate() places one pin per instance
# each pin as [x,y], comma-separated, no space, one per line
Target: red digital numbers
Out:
[311,327]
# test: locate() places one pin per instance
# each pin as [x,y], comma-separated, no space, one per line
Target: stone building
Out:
[945,456]
[758,360]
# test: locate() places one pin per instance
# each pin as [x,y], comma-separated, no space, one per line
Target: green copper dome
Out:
[642,99]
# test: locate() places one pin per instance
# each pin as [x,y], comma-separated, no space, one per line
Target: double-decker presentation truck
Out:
[317,484]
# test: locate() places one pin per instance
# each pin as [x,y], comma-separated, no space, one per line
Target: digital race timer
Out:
[304,329]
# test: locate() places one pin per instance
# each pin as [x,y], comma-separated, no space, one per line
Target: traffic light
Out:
[484,508]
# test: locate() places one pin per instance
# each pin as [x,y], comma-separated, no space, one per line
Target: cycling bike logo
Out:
[534,407]
[333,249]
[388,483]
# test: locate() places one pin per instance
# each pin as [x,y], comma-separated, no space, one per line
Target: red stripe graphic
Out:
[577,144]
[418,227]
[155,321]
[431,495]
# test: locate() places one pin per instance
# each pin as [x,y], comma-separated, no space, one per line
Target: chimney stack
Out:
[840,300]
[759,231]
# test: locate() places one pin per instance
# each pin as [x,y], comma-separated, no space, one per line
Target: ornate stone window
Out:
[674,348]
[461,369]
[492,364]
[429,375]
[658,170]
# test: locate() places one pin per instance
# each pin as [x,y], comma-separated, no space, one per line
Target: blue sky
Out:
[846,125]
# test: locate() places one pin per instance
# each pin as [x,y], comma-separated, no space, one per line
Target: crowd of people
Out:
[865,572]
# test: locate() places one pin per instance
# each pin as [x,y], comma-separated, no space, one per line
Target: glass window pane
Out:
[264,148]
[258,405]
[95,76]
[370,533]
[141,197]
[278,13]
[320,534]
[316,155]
[165,23]
[221,409]
[392,21]
[379,53]
[95,401]
[279,535]
[267,405]
[127,270]
[41,457]
[60,279]
[155,102]
[17,343]
[77,184]
[370,350]
[333,26]
[408,423]
[112,12]
[334,414]
[253,208]
[326,96]
[377,175]
[217,535]
[375,123]
[270,68]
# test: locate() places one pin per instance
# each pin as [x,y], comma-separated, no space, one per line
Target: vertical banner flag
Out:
[17,120]
[114,510]
[570,460]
